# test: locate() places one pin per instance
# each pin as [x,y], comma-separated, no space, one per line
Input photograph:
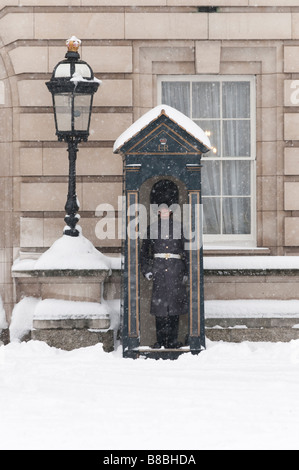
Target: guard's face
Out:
[165,213]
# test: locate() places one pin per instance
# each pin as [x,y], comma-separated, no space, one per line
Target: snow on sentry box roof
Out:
[175,115]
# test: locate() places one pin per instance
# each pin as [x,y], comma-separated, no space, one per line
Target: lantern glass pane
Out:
[63,70]
[83,70]
[63,110]
[82,110]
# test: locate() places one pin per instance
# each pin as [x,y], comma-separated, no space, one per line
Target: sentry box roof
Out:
[153,117]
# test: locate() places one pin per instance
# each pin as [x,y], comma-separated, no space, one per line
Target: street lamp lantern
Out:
[72,86]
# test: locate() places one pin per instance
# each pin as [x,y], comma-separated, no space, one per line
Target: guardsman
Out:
[164,261]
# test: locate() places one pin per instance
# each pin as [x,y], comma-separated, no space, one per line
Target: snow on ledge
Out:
[180,118]
[31,308]
[247,308]
[69,253]
[81,254]
[72,253]
[77,77]
[54,309]
[251,262]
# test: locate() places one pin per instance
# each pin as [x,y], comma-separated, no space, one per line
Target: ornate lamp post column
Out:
[72,86]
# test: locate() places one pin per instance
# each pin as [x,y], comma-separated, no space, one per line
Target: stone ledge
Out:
[211,251]
[238,335]
[251,272]
[70,324]
[257,322]
[99,273]
[69,339]
[63,284]
[237,330]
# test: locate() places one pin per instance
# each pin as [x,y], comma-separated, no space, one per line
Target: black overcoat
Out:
[169,275]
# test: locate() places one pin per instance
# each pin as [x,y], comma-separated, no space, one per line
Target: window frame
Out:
[242,240]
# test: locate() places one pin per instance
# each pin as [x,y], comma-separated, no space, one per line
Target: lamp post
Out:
[72,86]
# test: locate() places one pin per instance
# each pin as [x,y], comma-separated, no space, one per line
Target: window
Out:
[225,108]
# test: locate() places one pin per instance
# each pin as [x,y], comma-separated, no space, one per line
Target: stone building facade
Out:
[134,46]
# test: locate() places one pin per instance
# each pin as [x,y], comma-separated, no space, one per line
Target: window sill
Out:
[235,251]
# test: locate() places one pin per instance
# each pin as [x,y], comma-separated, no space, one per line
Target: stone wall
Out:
[129,43]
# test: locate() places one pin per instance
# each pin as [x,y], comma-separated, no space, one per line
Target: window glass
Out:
[236,100]
[206,100]
[236,138]
[222,107]
[178,94]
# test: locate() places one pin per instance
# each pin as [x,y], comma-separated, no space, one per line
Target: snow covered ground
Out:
[231,396]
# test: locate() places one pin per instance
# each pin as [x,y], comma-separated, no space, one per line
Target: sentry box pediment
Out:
[163,130]
[162,145]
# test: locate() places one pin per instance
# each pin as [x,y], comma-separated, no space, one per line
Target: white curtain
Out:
[177,95]
[222,109]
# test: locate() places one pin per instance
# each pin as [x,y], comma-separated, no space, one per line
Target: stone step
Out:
[252,329]
[63,332]
[69,339]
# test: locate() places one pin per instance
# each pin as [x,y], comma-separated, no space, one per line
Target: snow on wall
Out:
[22,318]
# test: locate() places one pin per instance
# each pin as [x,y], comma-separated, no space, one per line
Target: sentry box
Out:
[162,167]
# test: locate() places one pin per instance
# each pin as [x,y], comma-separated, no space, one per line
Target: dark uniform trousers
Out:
[167,329]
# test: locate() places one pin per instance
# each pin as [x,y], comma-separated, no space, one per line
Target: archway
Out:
[147,321]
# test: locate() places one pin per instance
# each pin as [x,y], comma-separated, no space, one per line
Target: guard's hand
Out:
[149,276]
[185,280]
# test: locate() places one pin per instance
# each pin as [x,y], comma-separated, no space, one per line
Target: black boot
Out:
[175,345]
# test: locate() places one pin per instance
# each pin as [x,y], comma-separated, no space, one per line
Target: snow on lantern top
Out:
[72,65]
[73,44]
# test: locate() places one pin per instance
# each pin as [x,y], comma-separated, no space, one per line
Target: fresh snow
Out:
[77,77]
[22,318]
[31,308]
[251,262]
[55,309]
[247,308]
[180,118]
[231,396]
[69,253]
[72,253]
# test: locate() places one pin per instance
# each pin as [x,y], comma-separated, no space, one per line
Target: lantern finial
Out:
[73,44]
